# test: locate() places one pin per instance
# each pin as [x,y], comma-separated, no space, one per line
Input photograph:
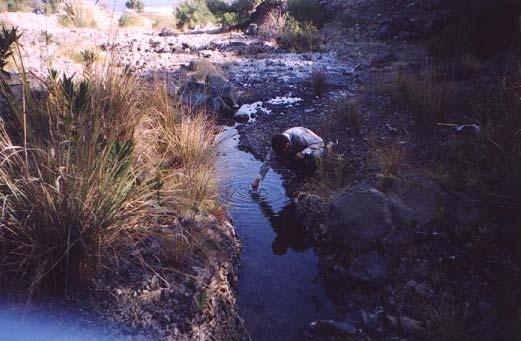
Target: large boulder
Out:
[370,268]
[360,219]
[215,94]
[415,200]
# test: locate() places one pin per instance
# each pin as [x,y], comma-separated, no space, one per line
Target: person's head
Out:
[280,143]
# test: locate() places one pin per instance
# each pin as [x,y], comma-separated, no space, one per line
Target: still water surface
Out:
[280,292]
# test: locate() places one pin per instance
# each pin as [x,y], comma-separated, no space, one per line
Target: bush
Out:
[274,24]
[299,37]
[130,19]
[78,14]
[306,11]
[192,13]
[136,5]
[82,170]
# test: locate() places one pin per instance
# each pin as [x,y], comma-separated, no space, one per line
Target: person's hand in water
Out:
[255,184]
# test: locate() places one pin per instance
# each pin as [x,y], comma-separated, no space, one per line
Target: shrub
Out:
[192,13]
[347,113]
[426,96]
[78,14]
[136,5]
[130,19]
[15,5]
[299,37]
[82,170]
[319,81]
[306,11]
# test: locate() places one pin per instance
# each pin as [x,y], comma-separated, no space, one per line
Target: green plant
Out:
[8,38]
[136,5]
[347,113]
[306,11]
[192,13]
[131,19]
[425,95]
[299,37]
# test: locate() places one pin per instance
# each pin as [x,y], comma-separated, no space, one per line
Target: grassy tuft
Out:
[347,113]
[425,95]
[273,24]
[390,158]
[78,14]
[319,81]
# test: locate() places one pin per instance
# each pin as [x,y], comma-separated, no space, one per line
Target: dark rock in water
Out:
[252,29]
[360,219]
[218,86]
[331,326]
[241,117]
[370,268]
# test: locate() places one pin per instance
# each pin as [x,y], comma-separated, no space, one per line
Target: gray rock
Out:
[216,95]
[416,200]
[370,268]
[360,219]
[385,32]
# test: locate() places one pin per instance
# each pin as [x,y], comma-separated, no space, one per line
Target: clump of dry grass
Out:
[424,94]
[319,81]
[78,14]
[77,173]
[389,158]
[348,113]
[273,24]
[132,20]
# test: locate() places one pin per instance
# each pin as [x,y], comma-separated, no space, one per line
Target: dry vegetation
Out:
[90,163]
[425,94]
[348,113]
[319,81]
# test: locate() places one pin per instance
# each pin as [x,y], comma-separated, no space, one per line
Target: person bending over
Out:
[298,143]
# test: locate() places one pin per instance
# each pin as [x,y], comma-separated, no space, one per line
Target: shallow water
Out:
[279,289]
[52,324]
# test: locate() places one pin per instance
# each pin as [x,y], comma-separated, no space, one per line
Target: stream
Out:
[280,291]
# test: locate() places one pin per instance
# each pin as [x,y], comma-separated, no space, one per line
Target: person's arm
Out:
[263,170]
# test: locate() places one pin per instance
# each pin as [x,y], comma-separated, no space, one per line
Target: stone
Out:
[332,326]
[416,200]
[370,268]
[252,29]
[360,219]
[215,95]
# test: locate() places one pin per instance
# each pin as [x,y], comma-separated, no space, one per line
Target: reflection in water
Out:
[286,225]
[279,288]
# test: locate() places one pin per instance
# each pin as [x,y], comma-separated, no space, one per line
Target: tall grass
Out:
[78,14]
[78,173]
